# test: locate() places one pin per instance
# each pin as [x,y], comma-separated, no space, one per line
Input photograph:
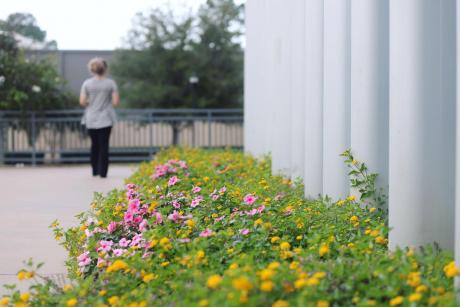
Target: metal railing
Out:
[58,137]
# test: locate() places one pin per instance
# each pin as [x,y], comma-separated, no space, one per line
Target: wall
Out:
[71,64]
[378,76]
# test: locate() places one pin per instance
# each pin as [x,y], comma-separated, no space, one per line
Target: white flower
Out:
[36,89]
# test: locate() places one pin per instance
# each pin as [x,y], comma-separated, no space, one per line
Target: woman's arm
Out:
[115,99]
[83,100]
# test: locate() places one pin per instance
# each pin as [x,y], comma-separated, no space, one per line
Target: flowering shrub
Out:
[215,228]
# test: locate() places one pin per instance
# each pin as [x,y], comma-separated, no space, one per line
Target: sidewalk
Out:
[31,198]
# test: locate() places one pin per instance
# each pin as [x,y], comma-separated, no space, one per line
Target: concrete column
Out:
[457,150]
[369,85]
[281,85]
[336,112]
[255,72]
[422,107]
[297,56]
[313,177]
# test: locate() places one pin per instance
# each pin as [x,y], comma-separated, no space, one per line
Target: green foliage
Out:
[29,86]
[165,51]
[257,242]
[364,182]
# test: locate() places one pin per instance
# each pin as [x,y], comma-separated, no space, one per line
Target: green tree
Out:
[165,51]
[25,24]
[28,86]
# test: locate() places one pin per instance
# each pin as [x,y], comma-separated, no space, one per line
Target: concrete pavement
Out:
[31,198]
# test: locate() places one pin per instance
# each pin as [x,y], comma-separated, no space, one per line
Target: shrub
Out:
[199,228]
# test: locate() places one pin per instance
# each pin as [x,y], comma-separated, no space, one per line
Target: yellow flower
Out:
[4,301]
[351,245]
[266,286]
[258,222]
[451,270]
[322,304]
[432,300]
[102,292]
[298,238]
[275,239]
[72,302]
[214,281]
[396,301]
[374,233]
[200,254]
[233,266]
[413,279]
[414,297]
[190,223]
[319,275]
[312,281]
[267,274]
[340,202]
[21,275]
[354,219]
[351,198]
[323,250]
[300,283]
[117,265]
[242,283]
[113,300]
[203,303]
[25,296]
[421,289]
[149,277]
[294,265]
[165,264]
[67,287]
[30,274]
[164,241]
[274,265]
[280,303]
[371,210]
[381,240]
[285,245]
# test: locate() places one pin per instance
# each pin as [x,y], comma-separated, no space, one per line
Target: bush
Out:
[199,228]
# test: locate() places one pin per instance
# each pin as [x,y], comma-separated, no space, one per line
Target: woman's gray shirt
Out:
[100,112]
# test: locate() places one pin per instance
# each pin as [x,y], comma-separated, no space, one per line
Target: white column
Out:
[256,78]
[369,85]
[457,150]
[281,86]
[313,177]
[297,55]
[422,106]
[336,116]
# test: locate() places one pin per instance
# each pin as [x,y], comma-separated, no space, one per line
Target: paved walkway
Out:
[31,198]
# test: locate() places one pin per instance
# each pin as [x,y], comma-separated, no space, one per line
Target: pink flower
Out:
[118,252]
[128,217]
[249,199]
[184,240]
[219,219]
[206,233]
[130,186]
[196,189]
[123,242]
[172,181]
[215,197]
[143,225]
[251,212]
[136,240]
[176,204]
[134,205]
[84,259]
[196,201]
[101,261]
[244,231]
[175,216]
[111,227]
[105,246]
[137,219]
[182,164]
[158,217]
[222,190]
[260,209]
[279,196]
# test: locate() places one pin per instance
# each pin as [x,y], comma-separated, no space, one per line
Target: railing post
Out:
[2,140]
[33,132]
[209,128]
[151,135]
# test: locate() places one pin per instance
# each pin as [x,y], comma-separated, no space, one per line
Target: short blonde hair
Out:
[98,66]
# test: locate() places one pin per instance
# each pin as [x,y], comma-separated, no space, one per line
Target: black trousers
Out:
[100,150]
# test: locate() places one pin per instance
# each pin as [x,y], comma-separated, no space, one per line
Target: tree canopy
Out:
[193,60]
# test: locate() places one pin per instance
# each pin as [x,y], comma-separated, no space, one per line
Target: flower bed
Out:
[215,228]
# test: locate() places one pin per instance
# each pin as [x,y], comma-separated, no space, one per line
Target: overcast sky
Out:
[88,24]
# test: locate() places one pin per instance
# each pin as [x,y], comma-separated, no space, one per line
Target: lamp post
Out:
[194,80]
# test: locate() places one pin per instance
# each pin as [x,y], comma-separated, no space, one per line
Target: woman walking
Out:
[99,95]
